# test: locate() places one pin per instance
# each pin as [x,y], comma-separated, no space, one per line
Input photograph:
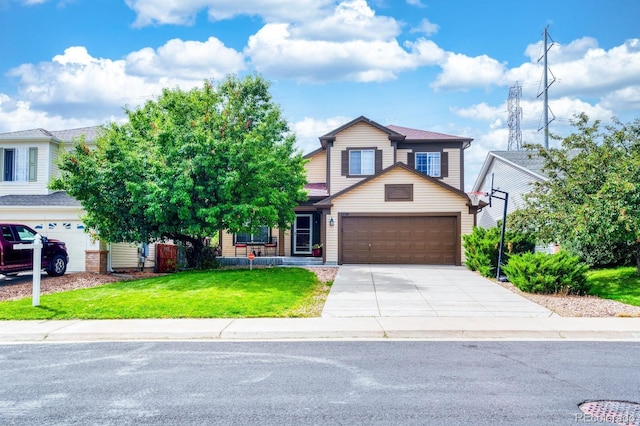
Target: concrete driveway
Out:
[422,291]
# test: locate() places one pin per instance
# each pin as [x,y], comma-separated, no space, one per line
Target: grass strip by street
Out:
[233,293]
[621,284]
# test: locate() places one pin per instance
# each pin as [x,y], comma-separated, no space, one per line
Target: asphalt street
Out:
[313,382]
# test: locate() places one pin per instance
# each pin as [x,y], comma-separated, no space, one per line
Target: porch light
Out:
[332,222]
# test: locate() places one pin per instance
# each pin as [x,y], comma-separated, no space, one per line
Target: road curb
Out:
[440,328]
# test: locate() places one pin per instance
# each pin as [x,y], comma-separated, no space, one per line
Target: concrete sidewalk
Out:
[450,328]
[422,291]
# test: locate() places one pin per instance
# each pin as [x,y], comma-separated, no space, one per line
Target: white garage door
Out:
[71,233]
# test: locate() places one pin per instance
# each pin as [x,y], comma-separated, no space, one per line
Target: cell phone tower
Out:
[515,114]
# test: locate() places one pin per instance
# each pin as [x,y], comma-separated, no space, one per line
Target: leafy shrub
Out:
[207,260]
[605,253]
[547,273]
[481,248]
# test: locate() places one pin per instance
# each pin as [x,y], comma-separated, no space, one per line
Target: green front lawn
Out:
[621,284]
[273,292]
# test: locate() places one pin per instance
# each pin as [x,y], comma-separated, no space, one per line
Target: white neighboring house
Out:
[514,172]
[27,165]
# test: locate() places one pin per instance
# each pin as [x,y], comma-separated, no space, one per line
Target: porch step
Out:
[271,261]
[302,261]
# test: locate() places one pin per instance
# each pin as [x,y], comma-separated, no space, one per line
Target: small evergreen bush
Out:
[481,248]
[547,273]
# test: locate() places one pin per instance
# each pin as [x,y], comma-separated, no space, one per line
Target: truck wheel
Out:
[58,266]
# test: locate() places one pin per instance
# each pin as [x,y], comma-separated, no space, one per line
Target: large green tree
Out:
[189,164]
[591,202]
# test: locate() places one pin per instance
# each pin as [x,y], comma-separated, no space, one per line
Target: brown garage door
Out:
[426,240]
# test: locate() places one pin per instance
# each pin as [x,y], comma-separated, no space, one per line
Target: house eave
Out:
[491,156]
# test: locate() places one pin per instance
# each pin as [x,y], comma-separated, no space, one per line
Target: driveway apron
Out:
[422,291]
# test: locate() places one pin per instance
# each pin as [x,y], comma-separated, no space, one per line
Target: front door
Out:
[302,232]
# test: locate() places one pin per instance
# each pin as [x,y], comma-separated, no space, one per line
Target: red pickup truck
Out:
[12,260]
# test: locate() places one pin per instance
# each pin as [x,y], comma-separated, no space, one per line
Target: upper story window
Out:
[428,163]
[19,164]
[362,162]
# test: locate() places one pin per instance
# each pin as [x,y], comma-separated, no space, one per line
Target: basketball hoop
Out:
[475,197]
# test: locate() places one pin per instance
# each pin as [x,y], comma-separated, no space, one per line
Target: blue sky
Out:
[439,65]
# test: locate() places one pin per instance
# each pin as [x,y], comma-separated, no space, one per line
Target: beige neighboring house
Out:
[27,165]
[377,194]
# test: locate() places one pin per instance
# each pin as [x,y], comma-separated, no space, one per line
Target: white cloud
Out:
[273,51]
[350,20]
[481,111]
[186,59]
[308,131]
[76,84]
[426,52]
[347,42]
[600,71]
[567,108]
[350,44]
[426,27]
[461,72]
[626,99]
[18,115]
[583,69]
[183,12]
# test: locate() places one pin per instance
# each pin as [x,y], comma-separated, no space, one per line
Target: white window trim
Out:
[22,164]
[435,168]
[366,167]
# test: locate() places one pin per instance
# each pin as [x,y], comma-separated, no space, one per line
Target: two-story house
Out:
[377,194]
[27,165]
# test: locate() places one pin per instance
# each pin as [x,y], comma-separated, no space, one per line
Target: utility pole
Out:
[515,114]
[546,85]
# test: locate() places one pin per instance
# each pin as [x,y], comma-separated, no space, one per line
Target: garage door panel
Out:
[401,239]
[71,233]
[393,246]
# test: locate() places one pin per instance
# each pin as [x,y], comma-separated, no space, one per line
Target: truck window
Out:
[25,234]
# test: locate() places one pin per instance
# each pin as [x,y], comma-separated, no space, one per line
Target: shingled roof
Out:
[90,134]
[424,135]
[56,199]
[525,159]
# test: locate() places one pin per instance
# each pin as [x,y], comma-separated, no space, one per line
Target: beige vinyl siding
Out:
[360,135]
[370,198]
[226,244]
[454,176]
[55,150]
[287,242]
[150,262]
[39,187]
[317,167]
[401,155]
[124,256]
